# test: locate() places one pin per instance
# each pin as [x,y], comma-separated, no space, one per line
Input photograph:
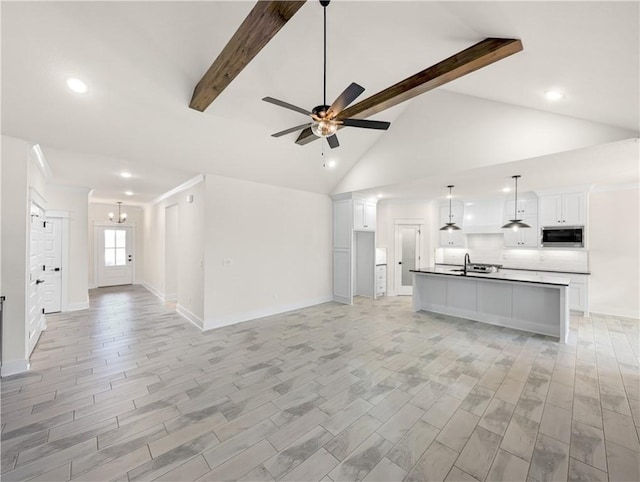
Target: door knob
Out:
[38,281]
[399,262]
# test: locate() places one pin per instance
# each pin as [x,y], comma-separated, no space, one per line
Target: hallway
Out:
[129,390]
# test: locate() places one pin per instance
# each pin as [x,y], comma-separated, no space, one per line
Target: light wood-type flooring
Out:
[129,390]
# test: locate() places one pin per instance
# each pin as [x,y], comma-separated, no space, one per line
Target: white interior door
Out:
[35,300]
[407,256]
[115,255]
[53,265]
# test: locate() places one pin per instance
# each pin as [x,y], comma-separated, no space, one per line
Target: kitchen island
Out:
[535,303]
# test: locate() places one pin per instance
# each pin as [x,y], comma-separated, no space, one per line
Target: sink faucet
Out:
[467,260]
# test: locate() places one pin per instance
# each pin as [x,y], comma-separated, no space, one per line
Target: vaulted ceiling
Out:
[141,61]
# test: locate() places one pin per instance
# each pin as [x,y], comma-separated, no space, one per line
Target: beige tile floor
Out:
[128,390]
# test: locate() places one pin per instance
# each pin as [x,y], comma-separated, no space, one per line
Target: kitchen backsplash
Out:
[489,248]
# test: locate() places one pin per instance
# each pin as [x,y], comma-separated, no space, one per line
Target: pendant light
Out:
[122,217]
[450,226]
[515,223]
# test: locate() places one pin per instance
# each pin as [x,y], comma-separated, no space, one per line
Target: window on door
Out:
[115,247]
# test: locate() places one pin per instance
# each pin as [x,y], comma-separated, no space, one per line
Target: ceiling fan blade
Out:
[333,141]
[263,22]
[350,94]
[366,124]
[290,130]
[480,55]
[286,105]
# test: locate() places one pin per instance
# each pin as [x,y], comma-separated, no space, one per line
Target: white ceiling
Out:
[142,60]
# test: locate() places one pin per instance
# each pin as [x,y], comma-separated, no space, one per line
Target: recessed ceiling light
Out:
[125,174]
[77,85]
[331,164]
[129,193]
[553,95]
[379,196]
[506,189]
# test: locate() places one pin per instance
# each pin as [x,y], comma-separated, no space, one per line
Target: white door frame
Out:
[397,270]
[64,289]
[96,227]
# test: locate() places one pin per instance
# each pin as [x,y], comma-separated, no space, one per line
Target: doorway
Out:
[407,238]
[171,253]
[35,299]
[114,255]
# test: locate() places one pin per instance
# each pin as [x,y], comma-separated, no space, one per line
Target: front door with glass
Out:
[115,256]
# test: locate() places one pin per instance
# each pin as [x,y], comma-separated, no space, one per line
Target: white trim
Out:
[110,224]
[185,185]
[37,198]
[83,305]
[158,294]
[56,214]
[38,156]
[190,316]
[171,297]
[623,313]
[217,322]
[12,367]
[92,286]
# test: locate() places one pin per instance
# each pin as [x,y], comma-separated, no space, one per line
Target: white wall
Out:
[414,212]
[614,252]
[444,132]
[75,201]
[190,251]
[19,173]
[99,213]
[268,250]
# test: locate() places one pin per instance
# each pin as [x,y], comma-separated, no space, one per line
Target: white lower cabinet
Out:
[381,279]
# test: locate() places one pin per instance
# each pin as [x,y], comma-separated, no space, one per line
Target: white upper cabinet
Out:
[523,237]
[456,214]
[567,209]
[452,239]
[364,215]
[525,206]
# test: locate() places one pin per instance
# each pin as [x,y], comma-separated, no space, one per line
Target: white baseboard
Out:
[158,294]
[92,286]
[83,305]
[630,315]
[171,297]
[391,293]
[188,315]
[13,367]
[218,322]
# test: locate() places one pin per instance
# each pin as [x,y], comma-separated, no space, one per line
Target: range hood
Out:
[483,217]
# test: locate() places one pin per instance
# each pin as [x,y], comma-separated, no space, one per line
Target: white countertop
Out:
[520,277]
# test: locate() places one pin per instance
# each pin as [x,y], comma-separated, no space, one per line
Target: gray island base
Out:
[539,304]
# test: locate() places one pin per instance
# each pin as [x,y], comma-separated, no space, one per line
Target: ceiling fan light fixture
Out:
[324,128]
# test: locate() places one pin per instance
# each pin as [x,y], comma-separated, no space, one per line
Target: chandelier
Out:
[122,217]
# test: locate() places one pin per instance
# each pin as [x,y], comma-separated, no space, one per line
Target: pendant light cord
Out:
[515,209]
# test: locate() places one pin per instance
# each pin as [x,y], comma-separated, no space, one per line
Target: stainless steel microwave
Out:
[562,237]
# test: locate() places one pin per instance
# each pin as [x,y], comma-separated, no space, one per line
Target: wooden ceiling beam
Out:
[477,56]
[263,22]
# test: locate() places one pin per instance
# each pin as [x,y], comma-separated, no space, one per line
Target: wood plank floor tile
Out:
[128,390]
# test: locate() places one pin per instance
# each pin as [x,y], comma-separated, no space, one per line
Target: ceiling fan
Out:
[324,117]
[267,18]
